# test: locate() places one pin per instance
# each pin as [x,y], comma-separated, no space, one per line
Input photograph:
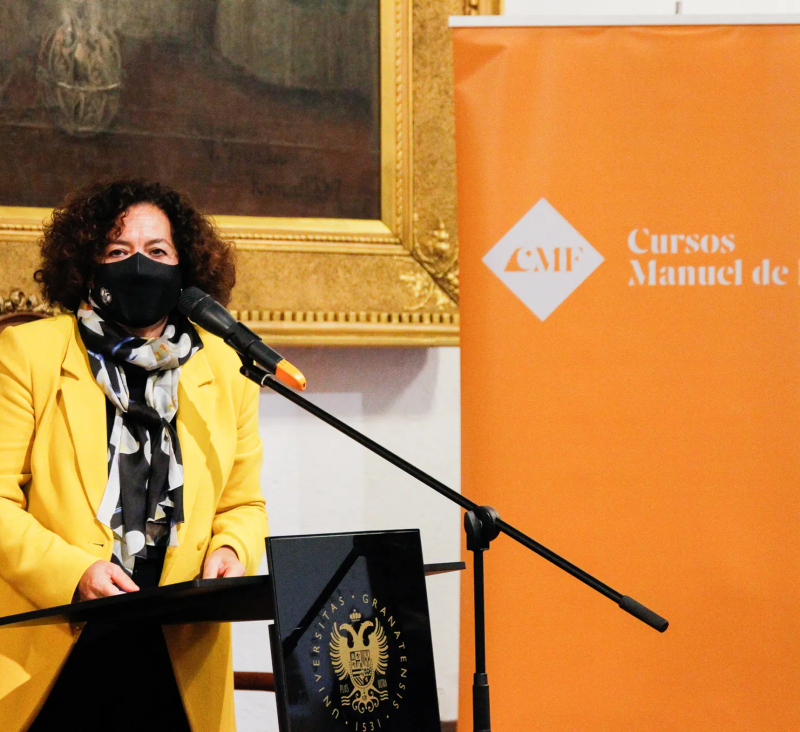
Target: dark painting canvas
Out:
[255,107]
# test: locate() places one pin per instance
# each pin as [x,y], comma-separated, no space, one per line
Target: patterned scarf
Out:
[143,501]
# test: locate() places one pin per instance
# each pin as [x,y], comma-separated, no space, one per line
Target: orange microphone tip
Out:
[290,375]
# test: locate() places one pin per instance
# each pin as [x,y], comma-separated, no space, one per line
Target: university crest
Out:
[360,653]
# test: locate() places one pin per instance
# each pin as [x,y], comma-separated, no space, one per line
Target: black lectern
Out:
[351,638]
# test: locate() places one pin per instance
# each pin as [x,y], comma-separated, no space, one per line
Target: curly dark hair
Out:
[81,227]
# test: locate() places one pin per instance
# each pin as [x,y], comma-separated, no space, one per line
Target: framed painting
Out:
[317,133]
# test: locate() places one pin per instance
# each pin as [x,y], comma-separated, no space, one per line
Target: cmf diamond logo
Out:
[542,259]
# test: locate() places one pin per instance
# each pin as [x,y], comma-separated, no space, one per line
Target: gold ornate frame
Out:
[392,282]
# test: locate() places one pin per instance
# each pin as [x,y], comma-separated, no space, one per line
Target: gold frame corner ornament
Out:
[344,282]
[18,303]
[484,7]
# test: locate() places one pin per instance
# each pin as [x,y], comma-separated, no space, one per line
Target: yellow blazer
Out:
[53,473]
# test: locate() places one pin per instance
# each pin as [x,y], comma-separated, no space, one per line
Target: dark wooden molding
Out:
[9,319]
[253,681]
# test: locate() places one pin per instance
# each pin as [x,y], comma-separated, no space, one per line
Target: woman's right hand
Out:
[104,579]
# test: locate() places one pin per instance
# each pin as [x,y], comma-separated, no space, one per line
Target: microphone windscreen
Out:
[205,311]
[189,297]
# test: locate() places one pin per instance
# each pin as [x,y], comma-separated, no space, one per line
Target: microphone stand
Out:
[482,525]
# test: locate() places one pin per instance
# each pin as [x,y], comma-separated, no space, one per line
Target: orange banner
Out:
[629,222]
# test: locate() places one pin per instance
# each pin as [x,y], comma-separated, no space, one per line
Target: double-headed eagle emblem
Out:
[360,658]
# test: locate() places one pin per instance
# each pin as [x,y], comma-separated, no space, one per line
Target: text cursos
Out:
[641,241]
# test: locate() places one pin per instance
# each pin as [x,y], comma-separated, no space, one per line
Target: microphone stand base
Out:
[481,715]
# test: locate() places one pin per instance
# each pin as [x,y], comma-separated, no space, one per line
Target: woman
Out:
[129,457]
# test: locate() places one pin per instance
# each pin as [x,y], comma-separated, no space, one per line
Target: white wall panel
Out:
[315,480]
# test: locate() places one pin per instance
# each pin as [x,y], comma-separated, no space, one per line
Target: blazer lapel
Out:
[84,404]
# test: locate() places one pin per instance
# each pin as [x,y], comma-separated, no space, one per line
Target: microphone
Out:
[206,312]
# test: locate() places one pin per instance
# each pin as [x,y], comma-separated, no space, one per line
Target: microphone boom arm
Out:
[639,611]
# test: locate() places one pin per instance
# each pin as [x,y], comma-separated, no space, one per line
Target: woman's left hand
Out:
[224,562]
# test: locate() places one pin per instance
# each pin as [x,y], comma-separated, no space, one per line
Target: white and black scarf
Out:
[143,500]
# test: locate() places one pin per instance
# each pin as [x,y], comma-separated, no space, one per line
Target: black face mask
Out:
[137,291]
